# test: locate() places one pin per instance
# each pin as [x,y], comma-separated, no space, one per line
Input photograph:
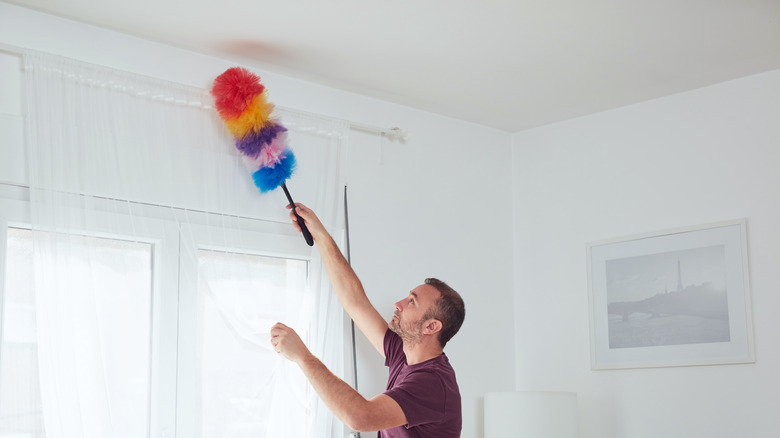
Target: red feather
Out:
[233,90]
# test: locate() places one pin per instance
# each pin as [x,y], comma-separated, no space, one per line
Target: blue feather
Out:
[269,178]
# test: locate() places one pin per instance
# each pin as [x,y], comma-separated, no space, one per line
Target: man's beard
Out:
[411,334]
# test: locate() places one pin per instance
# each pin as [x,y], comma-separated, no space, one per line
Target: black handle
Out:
[304,230]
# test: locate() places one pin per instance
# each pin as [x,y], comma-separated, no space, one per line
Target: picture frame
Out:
[672,298]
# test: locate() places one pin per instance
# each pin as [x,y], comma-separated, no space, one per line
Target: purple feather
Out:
[252,144]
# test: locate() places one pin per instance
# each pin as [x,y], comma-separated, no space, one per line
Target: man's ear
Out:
[432,326]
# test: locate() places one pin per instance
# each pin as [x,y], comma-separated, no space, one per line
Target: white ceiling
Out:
[509,64]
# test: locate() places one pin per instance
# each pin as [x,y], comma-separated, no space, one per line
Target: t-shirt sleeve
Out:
[393,346]
[421,396]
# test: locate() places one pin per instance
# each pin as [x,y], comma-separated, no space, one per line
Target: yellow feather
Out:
[254,118]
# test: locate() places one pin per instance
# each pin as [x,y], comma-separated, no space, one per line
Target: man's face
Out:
[408,319]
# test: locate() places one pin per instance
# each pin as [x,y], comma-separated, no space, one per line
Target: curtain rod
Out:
[394,133]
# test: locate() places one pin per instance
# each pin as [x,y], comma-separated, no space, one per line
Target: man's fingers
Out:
[278,327]
[295,223]
[298,206]
[277,331]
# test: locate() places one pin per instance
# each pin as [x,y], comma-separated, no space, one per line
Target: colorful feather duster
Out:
[242,104]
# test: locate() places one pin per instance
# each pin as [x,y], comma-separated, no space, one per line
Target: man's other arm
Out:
[359,414]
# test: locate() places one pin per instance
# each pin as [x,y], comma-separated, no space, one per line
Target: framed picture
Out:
[674,298]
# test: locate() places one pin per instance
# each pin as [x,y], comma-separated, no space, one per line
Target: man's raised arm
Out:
[347,285]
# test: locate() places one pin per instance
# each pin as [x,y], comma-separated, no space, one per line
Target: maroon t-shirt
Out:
[427,393]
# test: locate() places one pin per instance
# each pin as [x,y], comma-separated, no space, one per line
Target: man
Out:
[422,397]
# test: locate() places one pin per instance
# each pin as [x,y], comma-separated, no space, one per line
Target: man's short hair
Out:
[448,308]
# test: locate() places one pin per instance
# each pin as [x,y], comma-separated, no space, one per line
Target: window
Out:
[239,284]
[167,322]
[244,294]
[106,317]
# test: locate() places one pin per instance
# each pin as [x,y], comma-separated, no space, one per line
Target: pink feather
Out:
[271,154]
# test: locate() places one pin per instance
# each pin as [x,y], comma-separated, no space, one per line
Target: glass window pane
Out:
[20,393]
[102,310]
[122,279]
[241,296]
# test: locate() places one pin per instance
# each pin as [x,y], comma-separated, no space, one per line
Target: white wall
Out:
[438,205]
[694,158]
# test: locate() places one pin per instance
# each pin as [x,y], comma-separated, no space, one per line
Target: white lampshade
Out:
[531,414]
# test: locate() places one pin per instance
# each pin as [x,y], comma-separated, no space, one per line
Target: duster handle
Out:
[304,230]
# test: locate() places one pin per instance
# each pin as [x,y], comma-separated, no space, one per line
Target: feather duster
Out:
[261,139]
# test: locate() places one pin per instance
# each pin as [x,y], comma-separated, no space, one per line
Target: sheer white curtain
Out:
[159,268]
